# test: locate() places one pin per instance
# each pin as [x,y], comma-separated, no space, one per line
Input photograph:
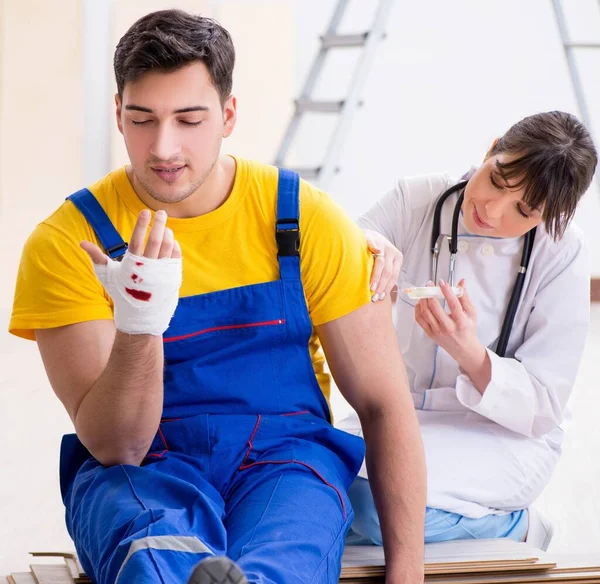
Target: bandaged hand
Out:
[144,286]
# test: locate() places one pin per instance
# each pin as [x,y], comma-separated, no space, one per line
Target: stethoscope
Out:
[436,242]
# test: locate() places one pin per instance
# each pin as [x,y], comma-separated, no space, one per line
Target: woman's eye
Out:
[522,212]
[186,123]
[494,183]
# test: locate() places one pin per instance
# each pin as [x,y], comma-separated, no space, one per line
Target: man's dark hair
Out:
[555,162]
[168,40]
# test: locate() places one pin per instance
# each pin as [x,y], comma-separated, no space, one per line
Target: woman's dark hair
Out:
[555,162]
[168,40]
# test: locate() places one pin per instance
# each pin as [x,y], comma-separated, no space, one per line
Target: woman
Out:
[492,425]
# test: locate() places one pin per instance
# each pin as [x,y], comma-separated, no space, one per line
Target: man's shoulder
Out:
[263,182]
[68,223]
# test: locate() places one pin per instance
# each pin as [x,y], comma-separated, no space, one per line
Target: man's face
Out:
[173,125]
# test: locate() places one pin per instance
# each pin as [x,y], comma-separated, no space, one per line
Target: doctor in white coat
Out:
[492,426]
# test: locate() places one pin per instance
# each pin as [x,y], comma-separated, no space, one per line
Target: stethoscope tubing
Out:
[437,238]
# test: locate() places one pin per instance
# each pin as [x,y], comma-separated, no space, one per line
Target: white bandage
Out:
[144,291]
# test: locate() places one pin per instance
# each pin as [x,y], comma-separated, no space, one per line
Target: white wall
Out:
[449,78]
[40,162]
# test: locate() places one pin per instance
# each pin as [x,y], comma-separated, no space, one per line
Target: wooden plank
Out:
[453,557]
[51,574]
[21,578]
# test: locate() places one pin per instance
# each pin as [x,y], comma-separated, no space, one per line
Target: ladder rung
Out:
[573,45]
[311,105]
[308,173]
[331,41]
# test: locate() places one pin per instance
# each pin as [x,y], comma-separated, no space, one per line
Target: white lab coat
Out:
[490,453]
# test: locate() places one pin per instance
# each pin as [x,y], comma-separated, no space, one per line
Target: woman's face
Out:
[493,208]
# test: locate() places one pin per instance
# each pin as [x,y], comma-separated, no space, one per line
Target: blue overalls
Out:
[245,461]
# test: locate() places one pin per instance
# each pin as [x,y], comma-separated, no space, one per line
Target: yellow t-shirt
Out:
[232,246]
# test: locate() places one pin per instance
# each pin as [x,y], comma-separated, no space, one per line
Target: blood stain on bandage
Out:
[139,263]
[134,277]
[139,294]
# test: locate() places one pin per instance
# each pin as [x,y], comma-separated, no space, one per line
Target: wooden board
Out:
[455,557]
[21,578]
[71,560]
[51,574]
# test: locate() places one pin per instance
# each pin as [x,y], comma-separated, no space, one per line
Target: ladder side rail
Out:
[309,84]
[328,168]
[569,47]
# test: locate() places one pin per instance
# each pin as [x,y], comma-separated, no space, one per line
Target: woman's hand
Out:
[388,262]
[456,332]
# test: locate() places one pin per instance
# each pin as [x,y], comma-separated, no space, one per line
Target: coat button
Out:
[463,246]
[487,249]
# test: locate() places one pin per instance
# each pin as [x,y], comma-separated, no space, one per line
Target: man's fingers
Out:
[156,236]
[95,253]
[136,245]
[176,254]
[166,249]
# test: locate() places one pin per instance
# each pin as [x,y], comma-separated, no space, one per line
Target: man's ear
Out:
[118,106]
[229,115]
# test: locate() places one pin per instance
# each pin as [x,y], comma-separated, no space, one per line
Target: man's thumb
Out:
[95,253]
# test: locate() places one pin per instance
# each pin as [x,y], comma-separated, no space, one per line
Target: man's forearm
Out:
[118,417]
[396,466]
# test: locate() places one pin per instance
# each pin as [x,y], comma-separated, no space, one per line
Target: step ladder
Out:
[345,108]
[570,47]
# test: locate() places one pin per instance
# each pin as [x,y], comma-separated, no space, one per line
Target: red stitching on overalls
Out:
[160,454]
[250,443]
[296,413]
[224,328]
[162,437]
[245,466]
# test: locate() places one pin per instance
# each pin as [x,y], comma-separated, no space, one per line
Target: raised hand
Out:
[144,286]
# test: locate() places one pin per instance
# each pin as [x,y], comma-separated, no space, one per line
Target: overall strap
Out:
[109,237]
[288,225]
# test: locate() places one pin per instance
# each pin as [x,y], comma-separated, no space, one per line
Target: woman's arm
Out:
[529,392]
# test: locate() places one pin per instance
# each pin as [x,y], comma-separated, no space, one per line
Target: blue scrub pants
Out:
[439,525]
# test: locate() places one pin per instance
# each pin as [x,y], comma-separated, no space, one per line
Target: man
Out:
[204,450]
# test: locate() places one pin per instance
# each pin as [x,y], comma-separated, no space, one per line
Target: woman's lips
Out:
[479,221]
